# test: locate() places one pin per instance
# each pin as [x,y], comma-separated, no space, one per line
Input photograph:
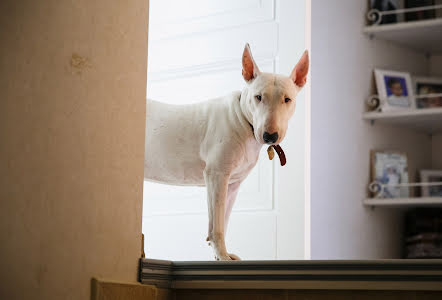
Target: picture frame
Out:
[427,85]
[395,90]
[431,176]
[390,167]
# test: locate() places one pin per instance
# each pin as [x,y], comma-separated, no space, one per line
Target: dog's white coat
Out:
[212,143]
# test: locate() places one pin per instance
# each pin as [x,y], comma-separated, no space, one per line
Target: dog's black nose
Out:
[270,138]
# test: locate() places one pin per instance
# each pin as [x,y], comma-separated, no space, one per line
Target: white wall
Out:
[435,65]
[436,157]
[290,181]
[342,63]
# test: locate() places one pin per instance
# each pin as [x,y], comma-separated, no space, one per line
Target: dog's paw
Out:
[229,256]
[234,256]
[223,257]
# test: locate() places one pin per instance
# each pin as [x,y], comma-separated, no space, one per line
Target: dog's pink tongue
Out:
[281,154]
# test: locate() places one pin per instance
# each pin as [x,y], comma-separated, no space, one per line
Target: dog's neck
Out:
[243,106]
[244,116]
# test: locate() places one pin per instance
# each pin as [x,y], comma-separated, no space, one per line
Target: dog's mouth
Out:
[278,149]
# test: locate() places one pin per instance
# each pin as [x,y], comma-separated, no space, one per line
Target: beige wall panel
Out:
[72,118]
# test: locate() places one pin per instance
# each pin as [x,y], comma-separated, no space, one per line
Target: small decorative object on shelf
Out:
[434,177]
[394,89]
[374,103]
[389,174]
[428,92]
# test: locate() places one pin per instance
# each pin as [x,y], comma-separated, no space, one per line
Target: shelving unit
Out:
[425,120]
[404,202]
[424,36]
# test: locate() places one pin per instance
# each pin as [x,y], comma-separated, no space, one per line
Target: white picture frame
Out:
[390,168]
[427,85]
[431,176]
[395,90]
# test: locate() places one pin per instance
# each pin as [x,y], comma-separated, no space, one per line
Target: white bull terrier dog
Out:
[217,143]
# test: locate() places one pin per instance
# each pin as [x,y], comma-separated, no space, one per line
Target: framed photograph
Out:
[390,168]
[431,176]
[394,89]
[428,85]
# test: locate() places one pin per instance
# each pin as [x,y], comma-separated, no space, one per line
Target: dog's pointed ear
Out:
[249,68]
[299,73]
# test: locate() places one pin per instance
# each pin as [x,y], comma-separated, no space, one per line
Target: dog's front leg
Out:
[217,185]
[232,191]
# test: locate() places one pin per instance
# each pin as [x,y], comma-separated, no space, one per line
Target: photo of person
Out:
[425,86]
[397,94]
[391,176]
[395,90]
[390,169]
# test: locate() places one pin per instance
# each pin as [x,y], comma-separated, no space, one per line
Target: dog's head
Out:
[270,99]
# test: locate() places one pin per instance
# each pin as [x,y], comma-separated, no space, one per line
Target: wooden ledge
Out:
[397,274]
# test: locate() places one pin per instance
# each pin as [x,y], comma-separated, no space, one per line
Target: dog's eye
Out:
[258,97]
[287,100]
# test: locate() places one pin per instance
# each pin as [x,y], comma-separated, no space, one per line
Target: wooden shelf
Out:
[419,35]
[404,202]
[427,120]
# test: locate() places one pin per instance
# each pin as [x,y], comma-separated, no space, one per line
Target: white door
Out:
[195,50]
